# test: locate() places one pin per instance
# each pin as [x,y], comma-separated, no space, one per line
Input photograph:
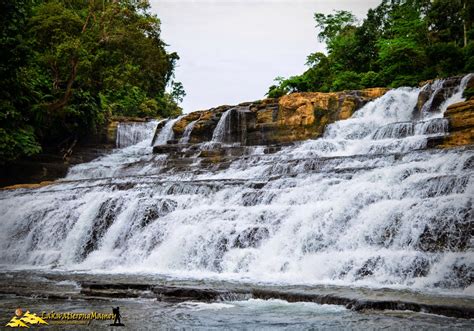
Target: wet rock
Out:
[102,222]
[453,235]
[159,209]
[461,124]
[368,268]
[435,92]
[181,294]
[358,300]
[251,237]
[301,116]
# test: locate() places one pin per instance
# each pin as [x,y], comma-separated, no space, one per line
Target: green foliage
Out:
[400,42]
[468,93]
[445,59]
[68,66]
[333,24]
[347,80]
[469,57]
[17,142]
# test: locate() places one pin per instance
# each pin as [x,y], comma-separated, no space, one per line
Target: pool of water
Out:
[61,292]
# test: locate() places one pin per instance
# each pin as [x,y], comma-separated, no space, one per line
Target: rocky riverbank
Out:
[79,286]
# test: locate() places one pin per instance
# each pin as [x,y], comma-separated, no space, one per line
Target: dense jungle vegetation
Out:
[68,66]
[400,42]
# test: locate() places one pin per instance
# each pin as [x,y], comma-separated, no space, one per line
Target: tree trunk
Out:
[464,24]
[63,101]
[58,104]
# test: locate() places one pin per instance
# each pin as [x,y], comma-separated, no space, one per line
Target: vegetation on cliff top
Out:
[68,66]
[400,42]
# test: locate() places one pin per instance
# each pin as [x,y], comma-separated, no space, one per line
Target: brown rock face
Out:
[297,116]
[300,116]
[461,124]
[206,122]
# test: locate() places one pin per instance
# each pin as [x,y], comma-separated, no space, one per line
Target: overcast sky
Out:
[231,50]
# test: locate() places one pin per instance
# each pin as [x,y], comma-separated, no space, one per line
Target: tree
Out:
[16,133]
[71,65]
[400,42]
[331,25]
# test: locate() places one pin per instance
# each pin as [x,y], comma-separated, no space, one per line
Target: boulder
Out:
[461,124]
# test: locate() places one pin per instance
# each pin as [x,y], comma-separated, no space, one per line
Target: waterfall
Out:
[187,132]
[135,141]
[433,88]
[222,131]
[365,205]
[166,132]
[449,97]
[457,95]
[131,133]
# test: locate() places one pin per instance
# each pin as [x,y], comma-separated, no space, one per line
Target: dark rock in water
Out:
[180,294]
[251,237]
[106,216]
[368,268]
[156,210]
[436,92]
[124,186]
[454,234]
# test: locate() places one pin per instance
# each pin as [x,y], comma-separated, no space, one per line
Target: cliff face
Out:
[297,116]
[461,124]
[460,115]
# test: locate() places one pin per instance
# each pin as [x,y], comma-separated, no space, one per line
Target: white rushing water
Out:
[365,205]
[131,133]
[166,132]
[121,161]
[187,132]
[222,130]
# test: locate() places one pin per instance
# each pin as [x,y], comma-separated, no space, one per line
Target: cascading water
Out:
[131,133]
[222,130]
[457,96]
[166,133]
[123,161]
[448,96]
[365,205]
[433,88]
[187,132]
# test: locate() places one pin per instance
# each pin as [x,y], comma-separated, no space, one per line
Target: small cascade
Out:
[394,131]
[187,132]
[166,133]
[231,127]
[221,133]
[131,133]
[435,126]
[432,89]
[457,95]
